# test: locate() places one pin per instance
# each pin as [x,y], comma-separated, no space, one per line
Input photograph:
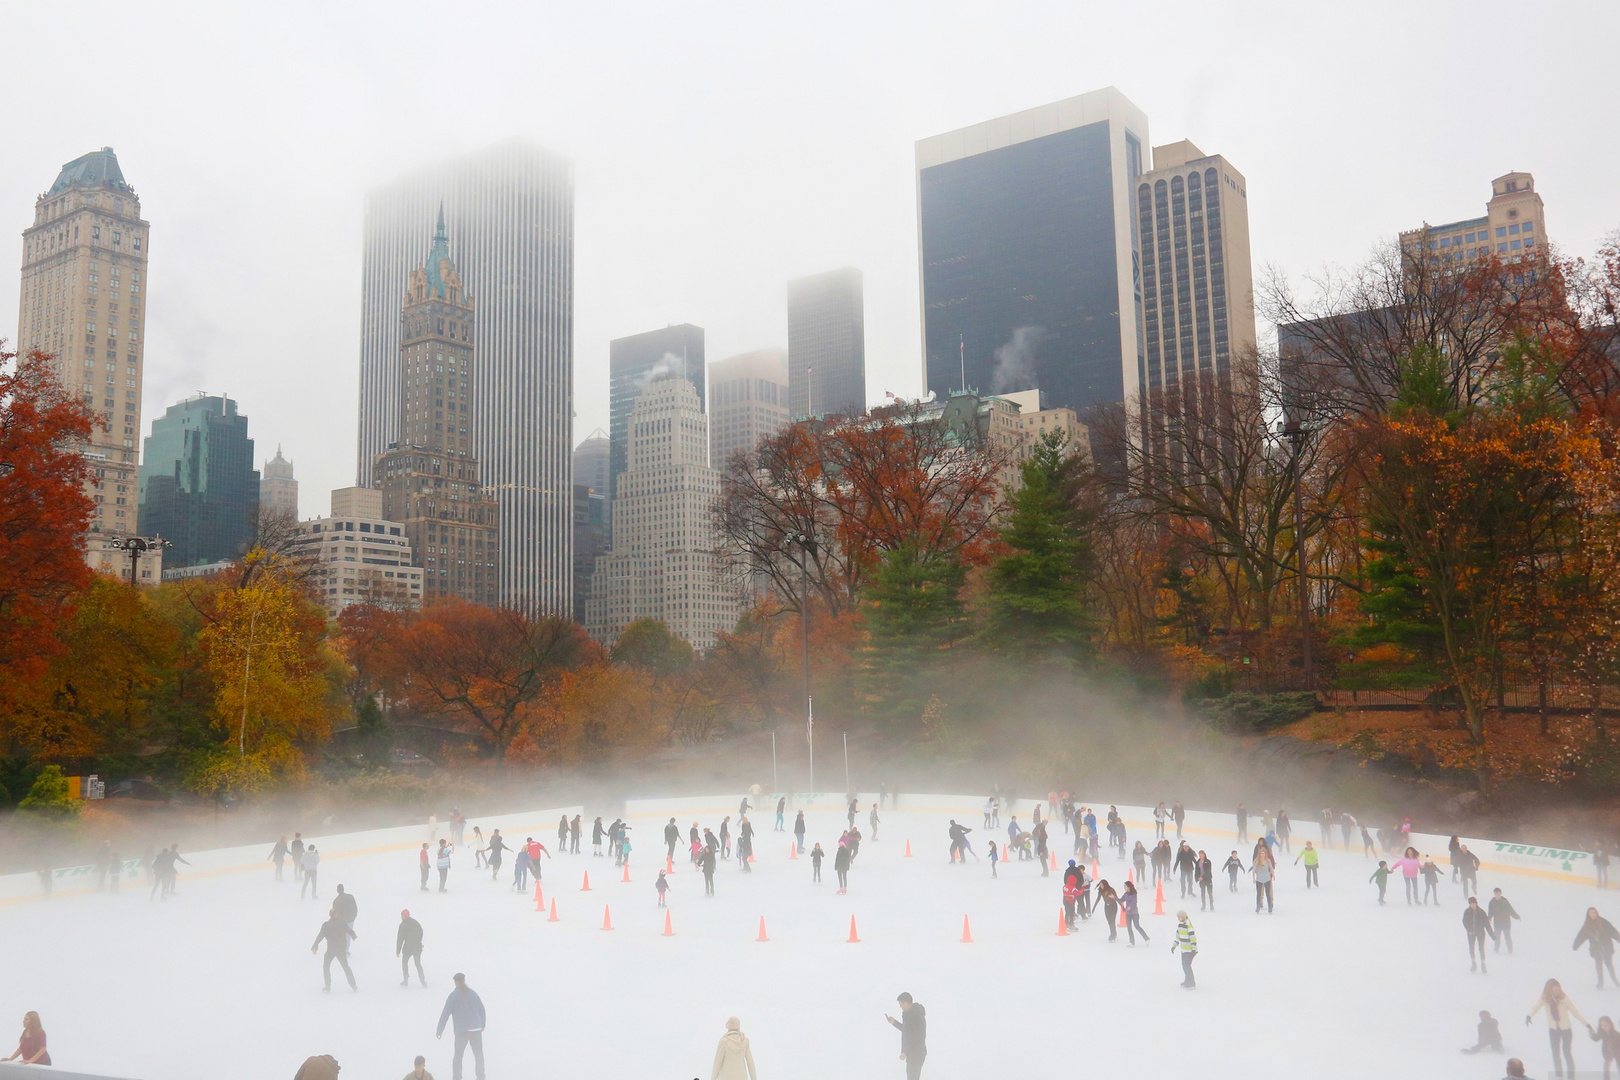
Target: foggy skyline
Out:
[720,152]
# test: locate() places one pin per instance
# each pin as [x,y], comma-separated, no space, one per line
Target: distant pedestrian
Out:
[465,1012]
[1187,942]
[798,832]
[408,947]
[733,1058]
[312,866]
[336,933]
[873,818]
[278,855]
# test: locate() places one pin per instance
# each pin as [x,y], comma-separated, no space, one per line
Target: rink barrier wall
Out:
[1498,856]
[25,887]
[11,1070]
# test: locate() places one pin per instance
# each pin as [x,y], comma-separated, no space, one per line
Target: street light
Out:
[807,549]
[137,546]
[1295,433]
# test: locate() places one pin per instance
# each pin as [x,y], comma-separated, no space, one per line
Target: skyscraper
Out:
[84,302]
[430,478]
[510,215]
[591,462]
[1027,240]
[748,400]
[1197,286]
[633,363]
[199,489]
[278,488]
[356,556]
[826,344]
[663,564]
[1513,229]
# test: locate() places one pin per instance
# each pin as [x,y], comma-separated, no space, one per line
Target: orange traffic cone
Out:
[908,849]
[1158,898]
[1122,916]
[793,852]
[553,910]
[1093,869]
[1063,926]
[1054,860]
[539,898]
[967,932]
[626,872]
[587,886]
[750,856]
[669,927]
[1130,876]
[854,938]
[607,918]
[669,864]
[762,936]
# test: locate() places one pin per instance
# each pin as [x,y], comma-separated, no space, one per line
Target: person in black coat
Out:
[408,947]
[841,867]
[913,1028]
[1599,935]
[1478,924]
[1502,916]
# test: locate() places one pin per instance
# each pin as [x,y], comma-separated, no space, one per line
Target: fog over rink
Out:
[219,980]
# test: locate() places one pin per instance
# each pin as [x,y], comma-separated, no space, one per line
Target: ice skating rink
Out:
[219,980]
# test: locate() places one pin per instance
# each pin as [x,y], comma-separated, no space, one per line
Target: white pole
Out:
[810,737]
[773,760]
[847,786]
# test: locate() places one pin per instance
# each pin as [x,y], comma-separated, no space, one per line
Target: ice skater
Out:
[798,831]
[706,864]
[733,1059]
[345,906]
[873,818]
[295,852]
[913,1028]
[465,1012]
[816,855]
[1489,1036]
[1608,1040]
[1186,863]
[841,867]
[1477,924]
[1502,916]
[497,844]
[1178,814]
[1204,874]
[781,812]
[1600,863]
[725,837]
[1233,867]
[1381,876]
[31,1048]
[1312,858]
[1242,823]
[442,861]
[1410,866]
[480,849]
[1468,862]
[408,947]
[672,837]
[1072,878]
[1160,816]
[597,833]
[573,835]
[278,855]
[336,933]
[993,859]
[1285,831]
[1187,942]
[424,865]
[1133,920]
[1431,881]
[1262,871]
[745,844]
[420,1071]
[662,885]
[1560,1032]
[1599,935]
[312,868]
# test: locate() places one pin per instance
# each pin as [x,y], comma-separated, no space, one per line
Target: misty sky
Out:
[721,149]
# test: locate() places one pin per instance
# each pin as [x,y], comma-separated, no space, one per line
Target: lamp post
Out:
[807,547]
[137,546]
[1295,433]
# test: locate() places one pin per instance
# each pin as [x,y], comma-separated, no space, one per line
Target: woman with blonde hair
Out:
[31,1047]
[733,1060]
[1560,1031]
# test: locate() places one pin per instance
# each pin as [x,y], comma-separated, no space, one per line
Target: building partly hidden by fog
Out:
[633,363]
[509,212]
[748,400]
[662,564]
[198,487]
[827,344]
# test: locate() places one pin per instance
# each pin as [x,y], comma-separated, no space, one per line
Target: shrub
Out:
[1255,713]
[51,797]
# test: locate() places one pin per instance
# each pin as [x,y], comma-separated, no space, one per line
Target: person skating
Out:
[1453,848]
[1242,823]
[1285,831]
[1368,848]
[520,869]
[424,865]
[480,849]
[1139,859]
[913,1028]
[1178,814]
[989,804]
[278,855]
[464,1010]
[171,869]
[408,947]
[336,933]
[993,858]
[958,835]
[1312,858]
[1381,876]
[745,844]
[816,855]
[1469,864]
[672,837]
[312,868]
[1608,1040]
[662,885]
[781,811]
[706,863]
[1327,826]
[1599,935]
[1410,866]
[1478,925]
[841,867]
[625,846]
[1502,915]
[1489,1036]
[1560,1031]
[873,818]
[573,835]
[31,1049]
[1263,870]
[1186,864]
[725,837]
[1347,825]
[597,832]
[1109,900]
[420,1071]
[1431,881]
[1233,867]
[295,852]
[1204,874]
[1132,905]
[1040,846]
[1600,863]
[345,906]
[497,844]
[733,1058]
[1071,895]
[1187,942]
[1160,816]
[798,832]
[562,835]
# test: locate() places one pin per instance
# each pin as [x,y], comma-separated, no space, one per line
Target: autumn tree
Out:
[44,514]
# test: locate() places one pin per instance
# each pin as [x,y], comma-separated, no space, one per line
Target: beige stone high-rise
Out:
[748,400]
[663,564]
[1514,229]
[1192,220]
[278,487]
[84,293]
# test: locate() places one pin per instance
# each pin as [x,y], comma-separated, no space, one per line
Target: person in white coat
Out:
[733,1060]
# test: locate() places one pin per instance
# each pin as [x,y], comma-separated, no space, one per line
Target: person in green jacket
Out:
[1187,942]
[1381,875]
[1311,858]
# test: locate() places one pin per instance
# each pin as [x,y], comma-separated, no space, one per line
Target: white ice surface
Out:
[219,981]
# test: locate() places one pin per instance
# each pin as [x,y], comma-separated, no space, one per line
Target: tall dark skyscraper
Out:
[826,344]
[199,489]
[509,211]
[1027,243]
[635,361]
